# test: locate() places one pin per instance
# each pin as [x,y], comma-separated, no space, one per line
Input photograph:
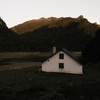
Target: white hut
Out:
[62,62]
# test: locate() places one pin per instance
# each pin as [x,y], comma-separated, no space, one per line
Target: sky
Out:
[15,12]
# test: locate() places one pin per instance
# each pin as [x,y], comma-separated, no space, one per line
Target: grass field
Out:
[30,84]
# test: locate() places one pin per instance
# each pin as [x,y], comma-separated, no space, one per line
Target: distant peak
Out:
[52,18]
[42,18]
[81,17]
[49,18]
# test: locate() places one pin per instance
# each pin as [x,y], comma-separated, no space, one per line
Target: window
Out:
[61,56]
[61,65]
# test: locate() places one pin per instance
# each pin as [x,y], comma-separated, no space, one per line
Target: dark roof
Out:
[71,55]
[68,53]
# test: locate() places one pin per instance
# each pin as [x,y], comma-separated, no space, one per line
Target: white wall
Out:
[70,65]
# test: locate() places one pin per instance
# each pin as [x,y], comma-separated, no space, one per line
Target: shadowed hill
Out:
[7,37]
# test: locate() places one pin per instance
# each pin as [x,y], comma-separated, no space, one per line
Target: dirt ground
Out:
[18,65]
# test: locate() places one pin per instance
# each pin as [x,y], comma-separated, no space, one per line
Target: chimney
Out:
[54,50]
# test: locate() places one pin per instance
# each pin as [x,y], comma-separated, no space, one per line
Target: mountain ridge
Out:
[70,33]
[32,25]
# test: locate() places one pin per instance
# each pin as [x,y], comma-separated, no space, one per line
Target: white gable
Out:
[62,65]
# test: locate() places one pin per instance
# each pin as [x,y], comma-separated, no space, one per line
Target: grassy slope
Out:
[30,84]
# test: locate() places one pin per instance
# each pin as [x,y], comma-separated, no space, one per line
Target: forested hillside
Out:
[42,34]
[45,38]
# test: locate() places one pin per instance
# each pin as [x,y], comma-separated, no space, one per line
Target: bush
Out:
[52,96]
